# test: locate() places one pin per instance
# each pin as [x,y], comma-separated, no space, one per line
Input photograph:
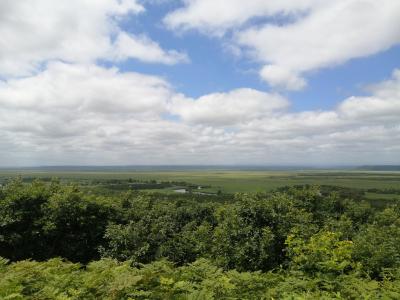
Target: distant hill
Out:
[153,168]
[132,168]
[380,168]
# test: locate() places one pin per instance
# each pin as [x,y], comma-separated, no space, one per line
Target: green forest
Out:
[59,241]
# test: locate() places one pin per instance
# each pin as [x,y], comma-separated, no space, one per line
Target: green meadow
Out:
[227,181]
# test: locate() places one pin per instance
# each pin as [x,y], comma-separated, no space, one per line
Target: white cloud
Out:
[85,89]
[228,109]
[316,34]
[80,31]
[384,104]
[218,16]
[278,76]
[144,49]
[86,114]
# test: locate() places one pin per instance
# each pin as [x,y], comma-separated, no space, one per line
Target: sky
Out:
[199,82]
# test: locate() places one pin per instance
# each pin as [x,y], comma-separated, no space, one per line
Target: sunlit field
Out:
[226,181]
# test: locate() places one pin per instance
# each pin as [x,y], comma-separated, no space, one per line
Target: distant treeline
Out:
[380,168]
[385,191]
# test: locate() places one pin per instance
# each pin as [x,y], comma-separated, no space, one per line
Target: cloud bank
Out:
[90,114]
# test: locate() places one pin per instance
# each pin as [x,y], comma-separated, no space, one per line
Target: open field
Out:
[227,181]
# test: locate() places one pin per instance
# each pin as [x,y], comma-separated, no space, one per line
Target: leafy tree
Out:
[21,229]
[74,225]
[377,245]
[251,233]
[323,253]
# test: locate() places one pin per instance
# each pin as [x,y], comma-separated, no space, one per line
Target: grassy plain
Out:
[228,181]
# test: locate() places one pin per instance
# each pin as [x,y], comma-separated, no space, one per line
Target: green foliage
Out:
[74,225]
[109,279]
[308,242]
[177,230]
[41,221]
[324,253]
[377,245]
[20,219]
[251,232]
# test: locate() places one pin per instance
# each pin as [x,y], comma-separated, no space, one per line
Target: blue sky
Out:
[200,82]
[221,71]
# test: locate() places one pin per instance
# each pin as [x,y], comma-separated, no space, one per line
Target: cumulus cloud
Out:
[34,32]
[83,114]
[228,109]
[384,104]
[144,49]
[86,89]
[217,16]
[278,76]
[311,34]
[86,114]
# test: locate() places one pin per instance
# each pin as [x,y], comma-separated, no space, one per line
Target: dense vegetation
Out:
[304,242]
